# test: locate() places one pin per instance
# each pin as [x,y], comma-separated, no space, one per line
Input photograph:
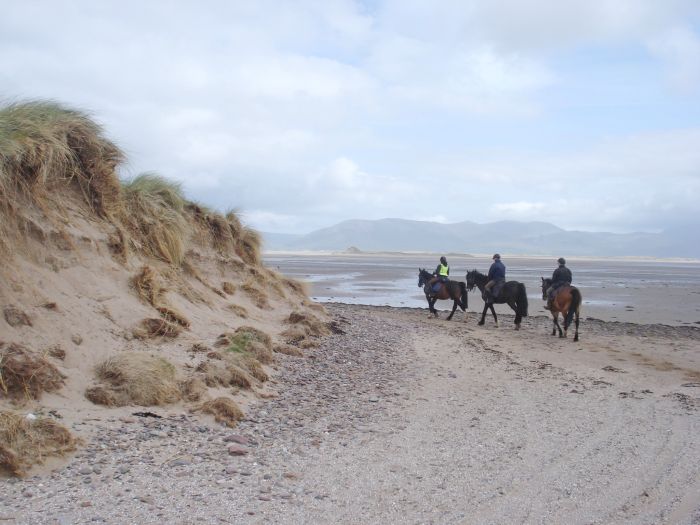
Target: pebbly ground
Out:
[404,419]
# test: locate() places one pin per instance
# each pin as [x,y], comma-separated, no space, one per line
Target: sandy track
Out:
[403,419]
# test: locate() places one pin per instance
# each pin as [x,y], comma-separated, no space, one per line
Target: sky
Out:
[302,114]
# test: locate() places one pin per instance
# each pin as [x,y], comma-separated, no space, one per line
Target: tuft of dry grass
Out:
[287,350]
[228,287]
[225,410]
[238,310]
[311,324]
[154,215]
[157,327]
[257,294]
[16,317]
[261,352]
[193,389]
[249,246]
[25,442]
[135,378]
[225,374]
[25,374]
[149,286]
[254,334]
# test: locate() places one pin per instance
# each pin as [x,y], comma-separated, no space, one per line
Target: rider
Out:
[441,273]
[560,277]
[497,275]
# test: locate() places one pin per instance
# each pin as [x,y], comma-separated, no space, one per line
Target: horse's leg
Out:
[454,307]
[483,314]
[493,312]
[555,326]
[576,331]
[518,317]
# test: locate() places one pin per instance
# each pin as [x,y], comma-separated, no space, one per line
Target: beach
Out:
[401,418]
[637,290]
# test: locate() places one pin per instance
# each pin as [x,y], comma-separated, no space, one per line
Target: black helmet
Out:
[443,259]
[561,260]
[496,256]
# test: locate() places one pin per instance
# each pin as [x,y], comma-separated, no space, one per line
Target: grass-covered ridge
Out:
[50,154]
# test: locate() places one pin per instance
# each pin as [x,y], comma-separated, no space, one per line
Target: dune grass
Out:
[154,214]
[225,410]
[135,378]
[43,143]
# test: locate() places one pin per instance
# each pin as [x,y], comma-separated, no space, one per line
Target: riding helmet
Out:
[443,260]
[496,256]
[561,260]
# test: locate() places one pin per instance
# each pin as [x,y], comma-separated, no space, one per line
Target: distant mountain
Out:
[513,237]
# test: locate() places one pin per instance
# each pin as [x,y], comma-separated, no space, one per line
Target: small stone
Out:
[263,497]
[235,438]
[77,339]
[237,450]
[123,469]
[86,504]
[27,494]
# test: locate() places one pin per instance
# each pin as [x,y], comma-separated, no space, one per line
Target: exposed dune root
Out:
[25,442]
[135,378]
[25,374]
[224,410]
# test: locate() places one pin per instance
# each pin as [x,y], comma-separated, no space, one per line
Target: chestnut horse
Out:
[455,290]
[567,301]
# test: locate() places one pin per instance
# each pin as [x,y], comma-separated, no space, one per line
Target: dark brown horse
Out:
[455,290]
[567,301]
[513,293]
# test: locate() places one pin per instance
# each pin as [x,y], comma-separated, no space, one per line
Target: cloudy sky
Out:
[301,114]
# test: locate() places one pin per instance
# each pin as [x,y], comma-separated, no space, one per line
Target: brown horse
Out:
[567,301]
[455,290]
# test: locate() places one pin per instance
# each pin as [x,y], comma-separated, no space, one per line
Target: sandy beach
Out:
[398,418]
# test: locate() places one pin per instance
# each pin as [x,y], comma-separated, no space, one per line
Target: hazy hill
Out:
[536,238]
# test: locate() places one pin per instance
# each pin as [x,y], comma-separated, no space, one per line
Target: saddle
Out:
[494,293]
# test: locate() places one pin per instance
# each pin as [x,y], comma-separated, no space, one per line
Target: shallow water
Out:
[640,291]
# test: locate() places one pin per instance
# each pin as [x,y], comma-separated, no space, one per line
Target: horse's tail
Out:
[521,300]
[465,299]
[574,306]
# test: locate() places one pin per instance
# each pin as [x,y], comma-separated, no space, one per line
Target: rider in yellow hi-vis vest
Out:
[441,273]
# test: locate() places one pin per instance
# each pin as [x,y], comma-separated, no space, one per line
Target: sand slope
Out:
[403,419]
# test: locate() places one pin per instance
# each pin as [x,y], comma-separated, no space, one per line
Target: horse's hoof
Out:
[575,339]
[495,324]
[517,327]
[481,323]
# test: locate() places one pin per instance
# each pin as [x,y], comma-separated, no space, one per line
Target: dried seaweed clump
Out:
[25,442]
[135,378]
[25,374]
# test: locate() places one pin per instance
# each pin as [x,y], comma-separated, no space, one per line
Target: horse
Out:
[513,293]
[455,290]
[567,301]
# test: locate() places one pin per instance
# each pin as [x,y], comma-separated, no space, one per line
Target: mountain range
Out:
[512,237]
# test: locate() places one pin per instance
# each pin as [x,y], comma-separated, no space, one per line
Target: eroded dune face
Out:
[96,273]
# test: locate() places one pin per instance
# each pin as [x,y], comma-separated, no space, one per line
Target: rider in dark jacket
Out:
[561,277]
[497,274]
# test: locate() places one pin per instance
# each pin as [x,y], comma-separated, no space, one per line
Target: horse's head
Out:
[471,279]
[423,277]
[545,284]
